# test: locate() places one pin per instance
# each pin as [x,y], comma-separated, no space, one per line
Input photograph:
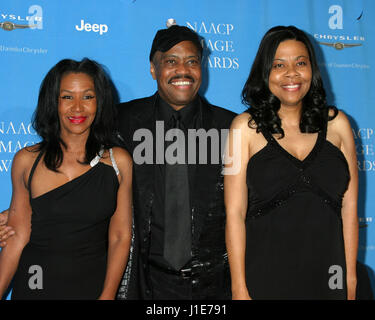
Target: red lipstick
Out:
[77,120]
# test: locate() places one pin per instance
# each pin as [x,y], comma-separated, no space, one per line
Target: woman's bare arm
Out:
[120,228]
[19,219]
[236,198]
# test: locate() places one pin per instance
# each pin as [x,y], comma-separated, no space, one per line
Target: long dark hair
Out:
[263,105]
[46,120]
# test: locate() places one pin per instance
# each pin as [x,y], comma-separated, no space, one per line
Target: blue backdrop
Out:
[118,34]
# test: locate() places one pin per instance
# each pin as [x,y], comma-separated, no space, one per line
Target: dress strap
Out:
[32,171]
[114,164]
[325,125]
[267,135]
[96,160]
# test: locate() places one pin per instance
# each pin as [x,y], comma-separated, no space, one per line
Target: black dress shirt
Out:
[191,119]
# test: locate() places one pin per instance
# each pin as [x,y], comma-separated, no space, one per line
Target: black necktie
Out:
[177,220]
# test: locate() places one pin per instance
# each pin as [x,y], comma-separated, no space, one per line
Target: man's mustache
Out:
[181,77]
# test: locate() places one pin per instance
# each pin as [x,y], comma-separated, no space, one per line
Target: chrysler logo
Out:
[9,26]
[340,45]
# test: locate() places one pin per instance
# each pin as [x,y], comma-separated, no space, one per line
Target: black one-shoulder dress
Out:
[66,256]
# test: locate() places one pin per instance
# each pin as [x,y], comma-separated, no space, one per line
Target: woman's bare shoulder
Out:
[244,122]
[27,155]
[340,124]
[241,120]
[23,161]
[121,155]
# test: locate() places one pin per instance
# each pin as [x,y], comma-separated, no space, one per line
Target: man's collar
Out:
[187,113]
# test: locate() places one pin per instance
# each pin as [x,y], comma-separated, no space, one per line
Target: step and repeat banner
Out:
[36,34]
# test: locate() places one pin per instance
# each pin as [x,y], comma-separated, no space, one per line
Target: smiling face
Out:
[290,76]
[178,73]
[77,104]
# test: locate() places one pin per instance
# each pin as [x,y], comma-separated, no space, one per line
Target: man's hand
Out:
[5,231]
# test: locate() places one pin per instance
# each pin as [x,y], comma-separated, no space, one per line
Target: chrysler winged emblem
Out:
[9,26]
[340,45]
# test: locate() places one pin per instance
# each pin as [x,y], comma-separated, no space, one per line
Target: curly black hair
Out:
[264,106]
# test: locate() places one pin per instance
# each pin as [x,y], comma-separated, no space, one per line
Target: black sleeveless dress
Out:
[294,237]
[66,256]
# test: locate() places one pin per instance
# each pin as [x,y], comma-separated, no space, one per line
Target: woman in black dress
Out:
[292,227]
[71,201]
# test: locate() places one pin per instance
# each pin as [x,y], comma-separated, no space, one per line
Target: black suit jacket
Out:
[208,214]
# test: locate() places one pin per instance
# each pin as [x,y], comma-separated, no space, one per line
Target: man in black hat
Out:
[179,244]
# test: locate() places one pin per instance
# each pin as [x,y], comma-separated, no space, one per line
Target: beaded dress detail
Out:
[293,225]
